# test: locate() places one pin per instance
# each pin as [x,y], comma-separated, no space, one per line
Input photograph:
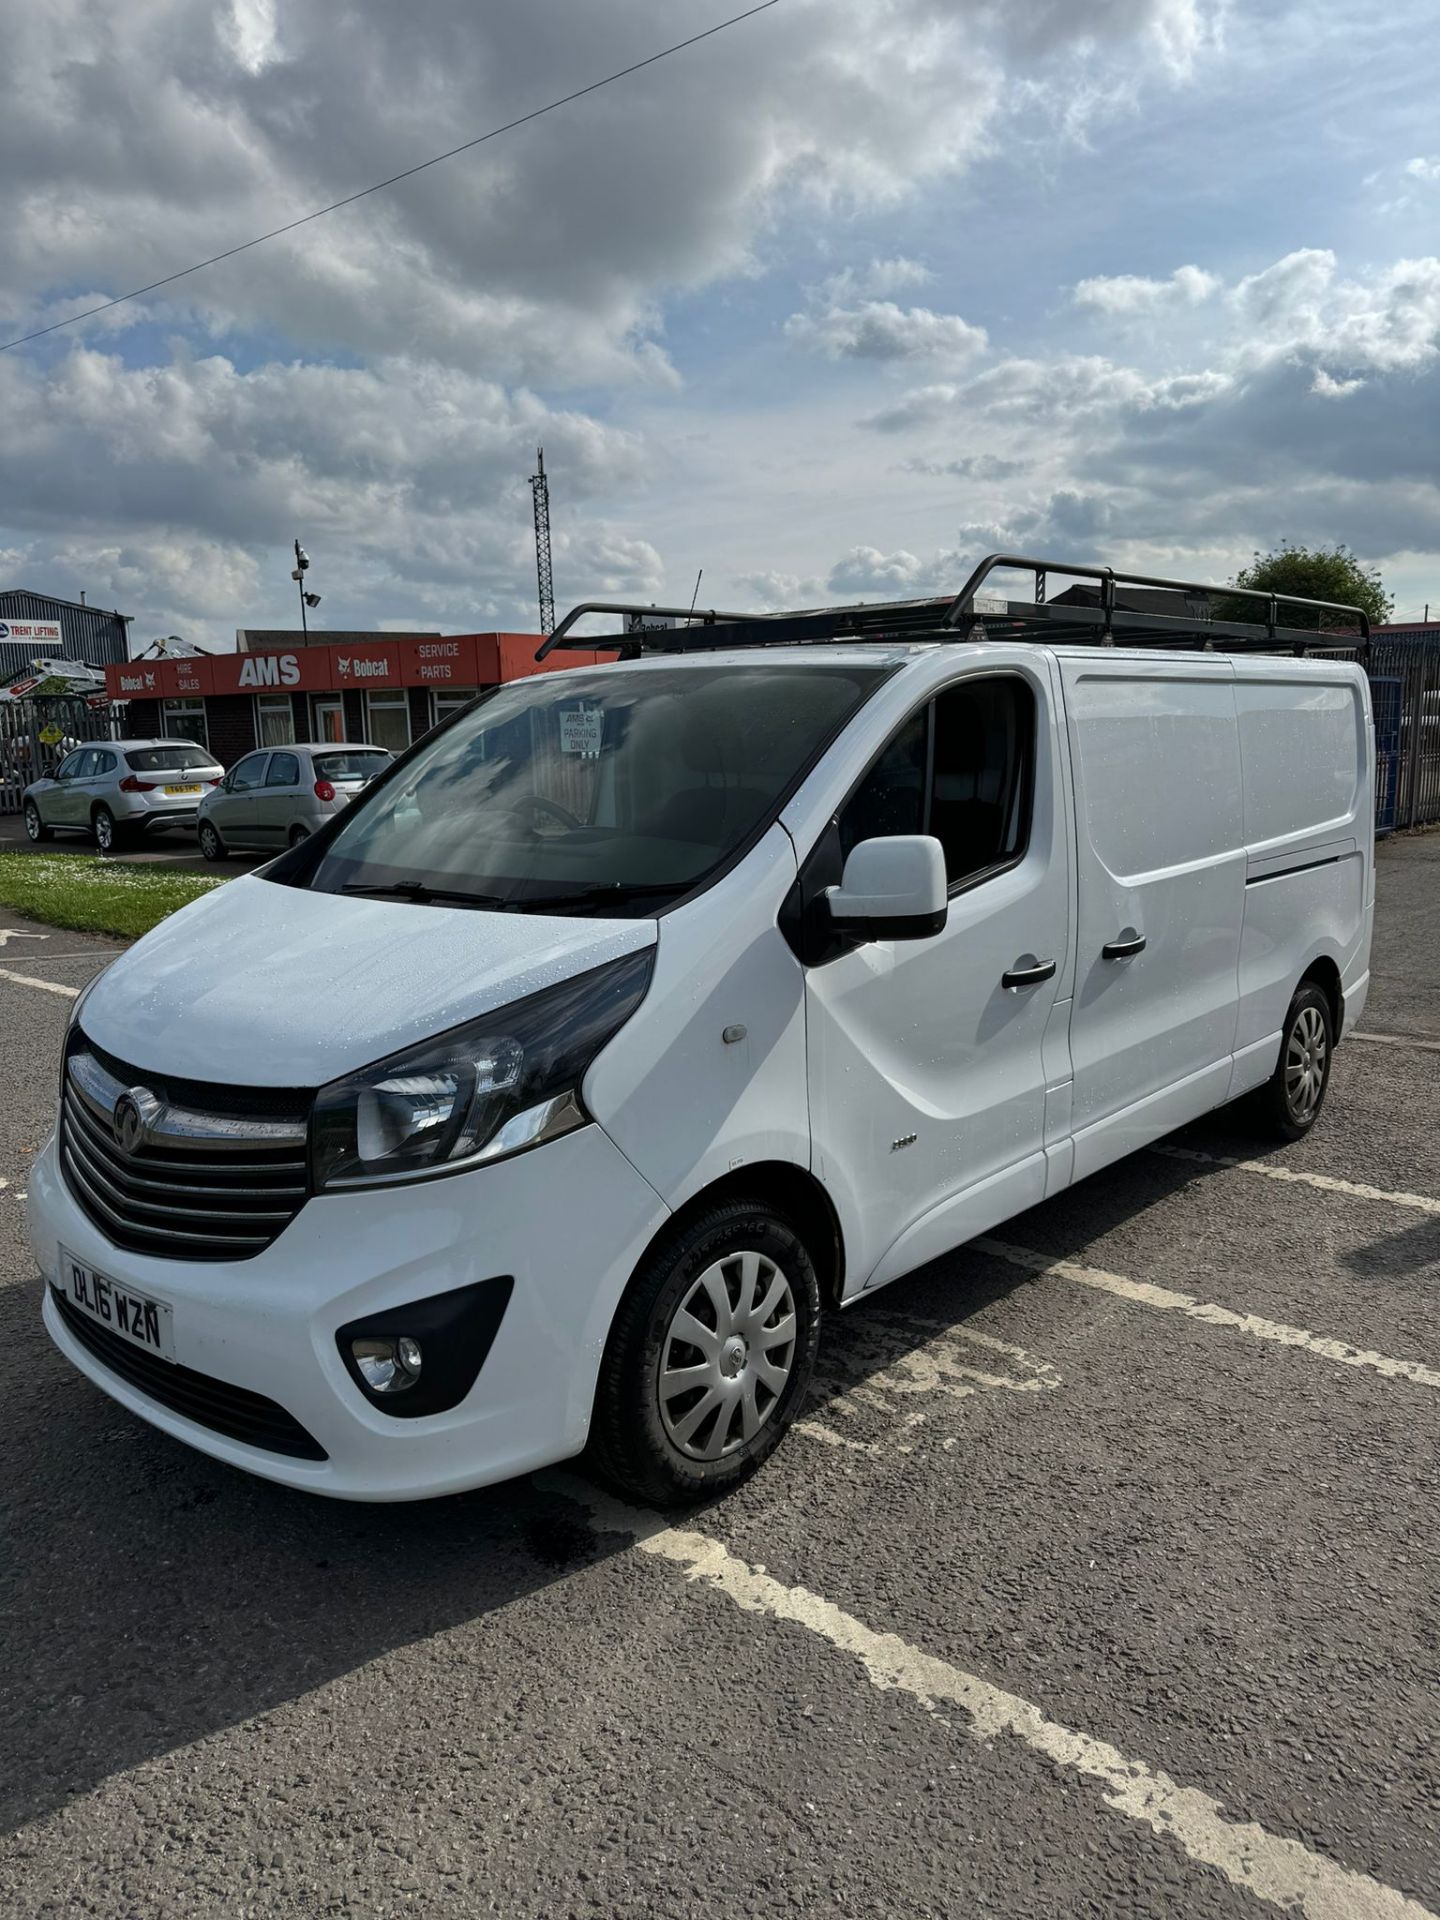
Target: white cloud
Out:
[1332,389]
[1423,168]
[1130,293]
[875,281]
[880,330]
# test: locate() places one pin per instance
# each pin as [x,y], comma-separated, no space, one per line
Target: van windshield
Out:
[596,792]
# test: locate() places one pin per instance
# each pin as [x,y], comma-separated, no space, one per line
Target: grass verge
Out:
[95,896]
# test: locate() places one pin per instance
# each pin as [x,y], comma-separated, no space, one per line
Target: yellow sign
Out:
[50,736]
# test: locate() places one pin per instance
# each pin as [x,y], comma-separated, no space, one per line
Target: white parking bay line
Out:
[1282,1872]
[45,986]
[1396,1040]
[1327,1183]
[1167,1300]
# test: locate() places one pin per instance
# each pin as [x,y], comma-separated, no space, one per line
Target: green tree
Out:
[1315,573]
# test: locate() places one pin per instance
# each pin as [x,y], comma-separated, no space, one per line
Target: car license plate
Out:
[139,1319]
[182,789]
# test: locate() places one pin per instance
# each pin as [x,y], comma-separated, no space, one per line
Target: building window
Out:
[185,720]
[389,720]
[277,719]
[451,700]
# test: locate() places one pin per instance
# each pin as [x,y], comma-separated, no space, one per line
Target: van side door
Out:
[1161,868]
[927,1058]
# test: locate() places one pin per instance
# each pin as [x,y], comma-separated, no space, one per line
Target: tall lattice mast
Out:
[540,488]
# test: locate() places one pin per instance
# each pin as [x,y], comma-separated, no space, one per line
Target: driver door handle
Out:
[1028,976]
[1123,949]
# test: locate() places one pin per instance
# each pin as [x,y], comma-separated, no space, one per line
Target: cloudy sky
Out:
[828,306]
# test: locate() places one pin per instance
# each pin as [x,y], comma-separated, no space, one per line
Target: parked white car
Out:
[650,1013]
[114,790]
[280,795]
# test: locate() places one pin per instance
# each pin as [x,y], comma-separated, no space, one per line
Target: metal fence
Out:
[1405,681]
[35,735]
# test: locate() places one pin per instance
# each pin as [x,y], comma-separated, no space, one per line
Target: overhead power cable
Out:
[319,213]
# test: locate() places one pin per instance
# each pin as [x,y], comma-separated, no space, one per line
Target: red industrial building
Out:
[384,688]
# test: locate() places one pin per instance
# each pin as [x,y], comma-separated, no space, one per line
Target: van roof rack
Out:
[1118,609]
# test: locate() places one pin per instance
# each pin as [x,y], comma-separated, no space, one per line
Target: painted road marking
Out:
[1396,1040]
[7,934]
[889,1370]
[1327,1183]
[1282,1872]
[1167,1300]
[61,959]
[45,986]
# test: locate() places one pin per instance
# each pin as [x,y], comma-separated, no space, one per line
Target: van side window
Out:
[979,781]
[891,799]
[970,786]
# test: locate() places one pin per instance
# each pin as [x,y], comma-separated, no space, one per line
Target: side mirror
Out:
[892,889]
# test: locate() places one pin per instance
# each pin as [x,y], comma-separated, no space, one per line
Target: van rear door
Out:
[1161,869]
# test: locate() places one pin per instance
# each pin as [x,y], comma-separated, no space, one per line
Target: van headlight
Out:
[478,1093]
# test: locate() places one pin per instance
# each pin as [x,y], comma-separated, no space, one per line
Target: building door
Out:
[330,720]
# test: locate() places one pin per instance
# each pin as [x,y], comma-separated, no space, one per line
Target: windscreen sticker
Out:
[582,729]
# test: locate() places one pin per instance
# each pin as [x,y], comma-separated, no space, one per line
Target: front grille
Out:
[217,1173]
[233,1411]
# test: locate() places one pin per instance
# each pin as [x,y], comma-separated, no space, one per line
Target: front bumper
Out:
[569,1222]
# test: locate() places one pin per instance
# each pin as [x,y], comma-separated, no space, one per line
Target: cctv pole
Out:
[301,563]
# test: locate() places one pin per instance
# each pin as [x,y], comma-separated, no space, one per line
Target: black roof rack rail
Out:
[1122,609]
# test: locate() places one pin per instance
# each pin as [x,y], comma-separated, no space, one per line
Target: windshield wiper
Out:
[613,893]
[421,894]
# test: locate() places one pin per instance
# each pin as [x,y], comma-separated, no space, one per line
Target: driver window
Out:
[69,767]
[248,773]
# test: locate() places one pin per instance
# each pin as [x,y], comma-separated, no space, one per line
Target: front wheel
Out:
[709,1356]
[34,825]
[1289,1103]
[211,845]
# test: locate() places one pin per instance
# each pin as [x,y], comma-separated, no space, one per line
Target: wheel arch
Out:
[1325,974]
[793,1191]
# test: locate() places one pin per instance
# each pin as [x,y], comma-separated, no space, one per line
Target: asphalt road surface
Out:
[1100,1578]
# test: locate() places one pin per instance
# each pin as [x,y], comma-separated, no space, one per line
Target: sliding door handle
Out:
[1124,948]
[1028,974]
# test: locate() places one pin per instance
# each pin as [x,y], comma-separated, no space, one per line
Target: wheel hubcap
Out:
[1305,1056]
[727,1355]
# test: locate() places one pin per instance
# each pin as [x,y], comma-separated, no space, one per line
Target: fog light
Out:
[388,1365]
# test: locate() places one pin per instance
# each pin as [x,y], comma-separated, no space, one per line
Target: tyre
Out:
[1289,1103]
[107,834]
[212,847]
[709,1356]
[297,834]
[34,825]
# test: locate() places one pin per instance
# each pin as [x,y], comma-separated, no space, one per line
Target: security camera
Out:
[302,559]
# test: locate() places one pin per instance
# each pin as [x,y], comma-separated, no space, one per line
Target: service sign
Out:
[442,663]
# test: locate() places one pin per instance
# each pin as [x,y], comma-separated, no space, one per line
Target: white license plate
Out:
[182,789]
[135,1316]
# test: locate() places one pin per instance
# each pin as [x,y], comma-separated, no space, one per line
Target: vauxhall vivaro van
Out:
[644,1014]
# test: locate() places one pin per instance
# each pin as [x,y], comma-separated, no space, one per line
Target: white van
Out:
[646,1013]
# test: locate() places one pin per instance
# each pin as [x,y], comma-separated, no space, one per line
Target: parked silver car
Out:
[275,797]
[115,789]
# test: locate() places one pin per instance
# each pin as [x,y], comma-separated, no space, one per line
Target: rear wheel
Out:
[211,845]
[1289,1103]
[297,834]
[709,1357]
[107,834]
[34,825]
